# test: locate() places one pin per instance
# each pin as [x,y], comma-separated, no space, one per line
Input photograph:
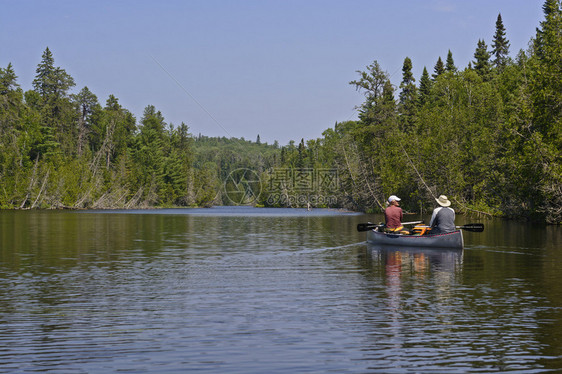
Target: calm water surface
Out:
[271,291]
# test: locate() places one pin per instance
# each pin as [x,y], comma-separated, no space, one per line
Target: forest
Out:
[488,135]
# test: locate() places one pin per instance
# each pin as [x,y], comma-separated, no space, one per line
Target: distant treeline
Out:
[488,135]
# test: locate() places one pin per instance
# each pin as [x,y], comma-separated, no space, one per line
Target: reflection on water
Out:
[442,314]
[269,291]
[420,262]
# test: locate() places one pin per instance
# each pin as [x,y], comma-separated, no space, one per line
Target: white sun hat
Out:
[443,201]
[393,198]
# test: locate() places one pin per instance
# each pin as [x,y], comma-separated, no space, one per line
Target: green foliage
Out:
[500,45]
[489,136]
[450,64]
[438,69]
[87,102]
[425,88]
[8,79]
[408,97]
[482,64]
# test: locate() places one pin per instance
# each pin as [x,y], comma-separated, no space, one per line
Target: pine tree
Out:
[500,45]
[546,122]
[283,155]
[58,114]
[387,106]
[450,63]
[551,8]
[407,85]
[301,154]
[408,95]
[11,101]
[149,153]
[8,79]
[548,72]
[374,82]
[86,102]
[547,41]
[438,69]
[482,62]
[425,87]
[51,82]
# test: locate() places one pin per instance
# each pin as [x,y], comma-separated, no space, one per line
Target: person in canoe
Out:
[443,217]
[393,214]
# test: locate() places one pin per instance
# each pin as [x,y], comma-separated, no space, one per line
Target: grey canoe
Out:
[449,240]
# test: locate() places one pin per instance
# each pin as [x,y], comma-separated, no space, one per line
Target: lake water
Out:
[243,290]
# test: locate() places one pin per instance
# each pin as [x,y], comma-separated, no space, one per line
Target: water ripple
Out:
[227,294]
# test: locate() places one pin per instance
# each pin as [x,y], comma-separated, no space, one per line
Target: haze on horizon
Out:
[279,69]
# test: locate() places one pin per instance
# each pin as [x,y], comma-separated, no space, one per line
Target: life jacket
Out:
[421,230]
[396,230]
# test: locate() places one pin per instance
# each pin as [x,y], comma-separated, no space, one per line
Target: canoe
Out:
[449,240]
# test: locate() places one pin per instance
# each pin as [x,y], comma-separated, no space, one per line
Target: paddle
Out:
[475,227]
[370,226]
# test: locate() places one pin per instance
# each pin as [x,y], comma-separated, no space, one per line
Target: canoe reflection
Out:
[418,261]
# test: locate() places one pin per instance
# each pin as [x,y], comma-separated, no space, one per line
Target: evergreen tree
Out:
[387,104]
[498,132]
[544,37]
[8,79]
[301,155]
[482,62]
[547,41]
[374,82]
[58,113]
[438,69]
[183,137]
[450,63]
[500,45]
[86,102]
[407,85]
[425,88]
[546,126]
[150,151]
[408,95]
[112,129]
[51,82]
[125,125]
[11,100]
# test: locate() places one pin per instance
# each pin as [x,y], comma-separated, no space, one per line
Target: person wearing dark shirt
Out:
[393,214]
[443,217]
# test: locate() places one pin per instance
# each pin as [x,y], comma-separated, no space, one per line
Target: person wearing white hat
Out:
[393,214]
[443,217]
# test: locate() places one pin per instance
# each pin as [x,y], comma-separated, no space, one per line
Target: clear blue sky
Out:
[278,68]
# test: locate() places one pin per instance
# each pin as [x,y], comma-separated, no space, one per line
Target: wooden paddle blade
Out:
[475,227]
[367,226]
